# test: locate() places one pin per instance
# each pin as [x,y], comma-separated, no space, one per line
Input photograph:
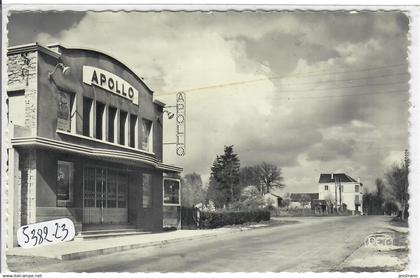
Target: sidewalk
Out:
[78,249]
[380,258]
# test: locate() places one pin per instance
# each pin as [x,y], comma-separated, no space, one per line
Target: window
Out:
[123,127]
[133,131]
[65,112]
[171,192]
[147,136]
[356,200]
[87,117]
[326,187]
[64,190]
[112,117]
[100,120]
[147,190]
[356,188]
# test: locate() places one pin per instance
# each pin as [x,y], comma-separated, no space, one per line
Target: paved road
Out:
[316,244]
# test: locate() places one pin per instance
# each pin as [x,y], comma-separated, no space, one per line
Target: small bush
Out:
[216,219]
[296,212]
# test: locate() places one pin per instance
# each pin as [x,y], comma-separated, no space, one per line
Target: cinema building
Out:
[84,142]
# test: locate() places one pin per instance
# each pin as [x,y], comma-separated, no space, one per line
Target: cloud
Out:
[312,109]
[331,149]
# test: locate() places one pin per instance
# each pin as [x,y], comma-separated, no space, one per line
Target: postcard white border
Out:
[413,11]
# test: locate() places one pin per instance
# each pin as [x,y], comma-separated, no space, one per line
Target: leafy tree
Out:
[270,177]
[304,199]
[250,199]
[390,207]
[192,191]
[397,178]
[373,202]
[264,176]
[224,178]
[380,190]
[249,176]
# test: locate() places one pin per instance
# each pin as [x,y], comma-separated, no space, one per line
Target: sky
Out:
[311,92]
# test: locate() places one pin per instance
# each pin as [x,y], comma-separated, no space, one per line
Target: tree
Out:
[249,176]
[304,199]
[390,208]
[380,188]
[224,178]
[270,176]
[379,196]
[250,199]
[397,178]
[192,191]
[373,202]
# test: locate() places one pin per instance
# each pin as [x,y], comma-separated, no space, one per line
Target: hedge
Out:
[216,219]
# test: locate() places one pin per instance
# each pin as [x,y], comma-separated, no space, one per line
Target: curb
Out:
[115,249]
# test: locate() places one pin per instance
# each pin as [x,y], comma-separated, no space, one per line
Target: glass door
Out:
[105,193]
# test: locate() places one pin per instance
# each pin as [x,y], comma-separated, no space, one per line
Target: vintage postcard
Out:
[209,140]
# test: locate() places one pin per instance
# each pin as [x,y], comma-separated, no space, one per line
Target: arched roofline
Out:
[58,46]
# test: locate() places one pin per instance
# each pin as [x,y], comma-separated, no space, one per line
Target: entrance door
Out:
[104,196]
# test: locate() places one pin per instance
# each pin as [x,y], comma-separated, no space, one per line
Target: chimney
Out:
[332,176]
[358,179]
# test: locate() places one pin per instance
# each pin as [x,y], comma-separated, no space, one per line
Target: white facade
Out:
[351,193]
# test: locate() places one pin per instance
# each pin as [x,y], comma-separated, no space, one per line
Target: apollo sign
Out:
[110,82]
[180,123]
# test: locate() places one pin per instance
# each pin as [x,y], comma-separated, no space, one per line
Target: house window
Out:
[65,112]
[112,117]
[356,188]
[133,132]
[326,187]
[147,136]
[123,127]
[87,117]
[64,190]
[356,200]
[171,192]
[100,120]
[147,190]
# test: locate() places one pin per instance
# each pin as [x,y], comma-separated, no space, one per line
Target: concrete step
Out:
[94,236]
[110,231]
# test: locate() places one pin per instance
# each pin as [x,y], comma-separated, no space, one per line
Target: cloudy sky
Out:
[312,92]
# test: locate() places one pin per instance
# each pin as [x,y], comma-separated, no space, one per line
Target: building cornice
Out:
[32,47]
[41,142]
[158,102]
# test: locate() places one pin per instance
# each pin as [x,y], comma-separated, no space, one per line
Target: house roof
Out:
[326,178]
[275,195]
[297,197]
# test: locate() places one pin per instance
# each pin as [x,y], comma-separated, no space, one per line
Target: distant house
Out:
[341,190]
[273,200]
[302,199]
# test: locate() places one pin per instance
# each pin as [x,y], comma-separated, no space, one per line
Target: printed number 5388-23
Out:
[45,233]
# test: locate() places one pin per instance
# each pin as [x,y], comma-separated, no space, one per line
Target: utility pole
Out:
[335,191]
[339,188]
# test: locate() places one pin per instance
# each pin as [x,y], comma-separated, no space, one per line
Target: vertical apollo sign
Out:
[180,123]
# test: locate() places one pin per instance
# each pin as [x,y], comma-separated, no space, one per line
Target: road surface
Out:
[315,244]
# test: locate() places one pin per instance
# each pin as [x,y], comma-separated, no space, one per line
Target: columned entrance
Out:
[105,192]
